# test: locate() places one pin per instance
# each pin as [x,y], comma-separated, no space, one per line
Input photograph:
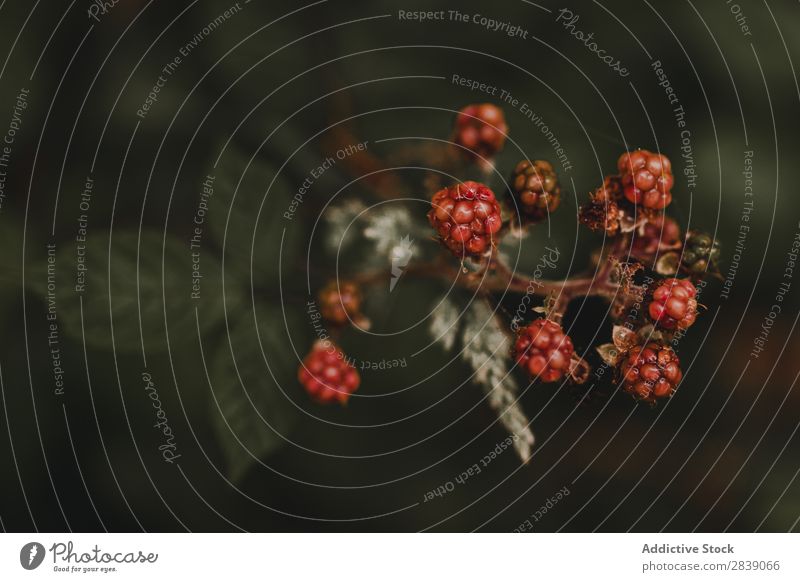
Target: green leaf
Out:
[257,223]
[251,410]
[83,290]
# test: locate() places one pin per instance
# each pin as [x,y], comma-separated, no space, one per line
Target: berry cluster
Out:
[340,302]
[544,350]
[466,217]
[326,375]
[628,207]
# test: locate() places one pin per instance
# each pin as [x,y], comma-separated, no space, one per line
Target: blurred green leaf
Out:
[252,414]
[135,293]
[256,225]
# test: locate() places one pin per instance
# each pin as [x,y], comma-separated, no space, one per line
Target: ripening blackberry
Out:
[481,129]
[466,217]
[674,305]
[340,302]
[326,374]
[544,350]
[646,179]
[650,372]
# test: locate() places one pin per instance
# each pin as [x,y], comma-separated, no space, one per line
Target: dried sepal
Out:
[579,369]
[623,338]
[609,353]
[668,264]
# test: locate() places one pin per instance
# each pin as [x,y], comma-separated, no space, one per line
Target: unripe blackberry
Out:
[544,350]
[535,187]
[700,252]
[466,216]
[650,372]
[326,374]
[340,302]
[660,233]
[481,129]
[674,305]
[646,179]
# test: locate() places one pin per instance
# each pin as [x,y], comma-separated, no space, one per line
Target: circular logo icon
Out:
[31,555]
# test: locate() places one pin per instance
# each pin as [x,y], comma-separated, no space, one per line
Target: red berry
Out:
[340,301]
[646,179]
[327,375]
[544,350]
[657,234]
[481,129]
[674,304]
[535,187]
[466,216]
[650,372]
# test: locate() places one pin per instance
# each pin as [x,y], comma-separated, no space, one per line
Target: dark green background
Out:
[88,460]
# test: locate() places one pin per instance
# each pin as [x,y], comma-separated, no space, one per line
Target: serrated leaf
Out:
[251,411]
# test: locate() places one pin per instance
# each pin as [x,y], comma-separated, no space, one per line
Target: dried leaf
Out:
[609,354]
[624,339]
[668,264]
